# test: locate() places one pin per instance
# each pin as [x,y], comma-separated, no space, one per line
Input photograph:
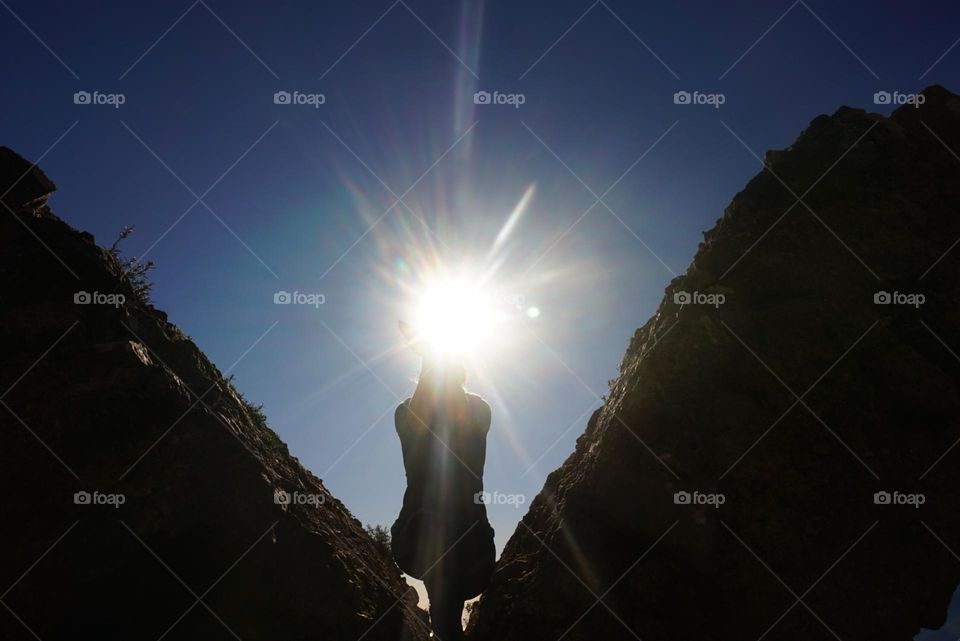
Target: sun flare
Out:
[472,309]
[455,317]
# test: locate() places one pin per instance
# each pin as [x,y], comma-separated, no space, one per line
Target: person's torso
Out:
[444,460]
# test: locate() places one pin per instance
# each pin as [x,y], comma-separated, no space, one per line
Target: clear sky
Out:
[297,197]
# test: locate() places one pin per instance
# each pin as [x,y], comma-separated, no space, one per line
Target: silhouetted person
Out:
[442,535]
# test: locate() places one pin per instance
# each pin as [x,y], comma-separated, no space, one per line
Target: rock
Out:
[22,182]
[704,501]
[132,509]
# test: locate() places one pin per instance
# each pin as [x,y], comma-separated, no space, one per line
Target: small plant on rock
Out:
[134,270]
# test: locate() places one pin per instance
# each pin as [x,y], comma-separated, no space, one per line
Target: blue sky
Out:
[290,192]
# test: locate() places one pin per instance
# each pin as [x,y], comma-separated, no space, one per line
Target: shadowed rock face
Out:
[102,398]
[707,402]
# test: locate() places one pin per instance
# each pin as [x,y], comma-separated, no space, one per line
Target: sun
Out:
[454,317]
[470,308]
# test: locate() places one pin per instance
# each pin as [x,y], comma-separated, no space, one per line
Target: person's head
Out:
[442,375]
[441,380]
[440,392]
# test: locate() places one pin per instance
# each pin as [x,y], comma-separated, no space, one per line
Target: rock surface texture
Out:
[778,412]
[180,529]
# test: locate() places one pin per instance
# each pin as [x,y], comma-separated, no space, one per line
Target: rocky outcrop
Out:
[143,498]
[758,468]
